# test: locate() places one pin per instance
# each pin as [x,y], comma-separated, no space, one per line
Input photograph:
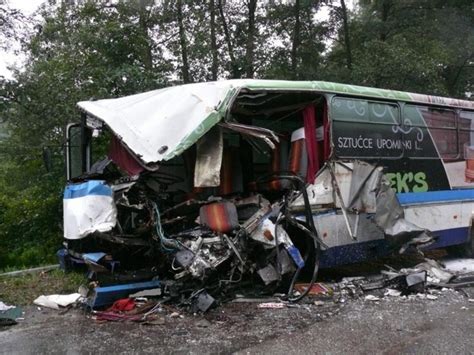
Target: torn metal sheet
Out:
[364,183]
[160,124]
[370,208]
[209,159]
[88,207]
[391,218]
[267,135]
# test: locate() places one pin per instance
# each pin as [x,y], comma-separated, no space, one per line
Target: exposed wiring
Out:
[168,245]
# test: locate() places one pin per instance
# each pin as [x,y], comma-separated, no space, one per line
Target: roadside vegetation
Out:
[23,290]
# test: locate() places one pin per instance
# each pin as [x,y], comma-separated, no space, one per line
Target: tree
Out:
[296,38]
[79,52]
[413,46]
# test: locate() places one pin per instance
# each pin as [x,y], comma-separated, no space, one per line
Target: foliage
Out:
[94,49]
[24,289]
[418,46]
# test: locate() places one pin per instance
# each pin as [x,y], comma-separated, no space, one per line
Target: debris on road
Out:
[5,307]
[9,315]
[272,305]
[57,301]
[371,298]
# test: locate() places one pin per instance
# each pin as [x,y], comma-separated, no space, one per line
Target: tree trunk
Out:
[235,71]
[215,63]
[296,41]
[386,7]
[347,39]
[183,43]
[147,57]
[250,47]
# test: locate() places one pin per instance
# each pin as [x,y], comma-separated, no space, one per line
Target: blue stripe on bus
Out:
[362,251]
[88,188]
[409,198]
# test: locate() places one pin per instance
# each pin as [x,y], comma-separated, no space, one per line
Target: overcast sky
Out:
[29,6]
[8,58]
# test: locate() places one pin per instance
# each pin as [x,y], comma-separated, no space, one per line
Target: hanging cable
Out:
[311,232]
[167,245]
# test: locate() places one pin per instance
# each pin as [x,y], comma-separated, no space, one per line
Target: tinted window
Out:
[346,109]
[430,116]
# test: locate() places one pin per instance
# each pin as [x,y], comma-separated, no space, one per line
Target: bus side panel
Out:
[425,151]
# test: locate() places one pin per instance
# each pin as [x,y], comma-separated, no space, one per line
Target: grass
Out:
[22,290]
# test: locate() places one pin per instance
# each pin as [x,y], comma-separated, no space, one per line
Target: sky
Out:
[8,58]
[29,6]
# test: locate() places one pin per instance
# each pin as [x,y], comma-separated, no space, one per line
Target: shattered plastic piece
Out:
[435,270]
[154,292]
[55,301]
[5,307]
[407,280]
[272,305]
[203,301]
[392,292]
[268,274]
[372,298]
[416,278]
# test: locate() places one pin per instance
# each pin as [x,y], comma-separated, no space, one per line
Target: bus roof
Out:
[160,124]
[347,89]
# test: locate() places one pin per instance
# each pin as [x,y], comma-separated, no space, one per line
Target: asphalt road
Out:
[392,325]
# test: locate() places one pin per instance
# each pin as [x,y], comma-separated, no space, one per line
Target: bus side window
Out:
[466,130]
[366,129]
[347,109]
[430,125]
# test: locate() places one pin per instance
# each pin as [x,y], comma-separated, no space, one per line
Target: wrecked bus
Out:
[263,177]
